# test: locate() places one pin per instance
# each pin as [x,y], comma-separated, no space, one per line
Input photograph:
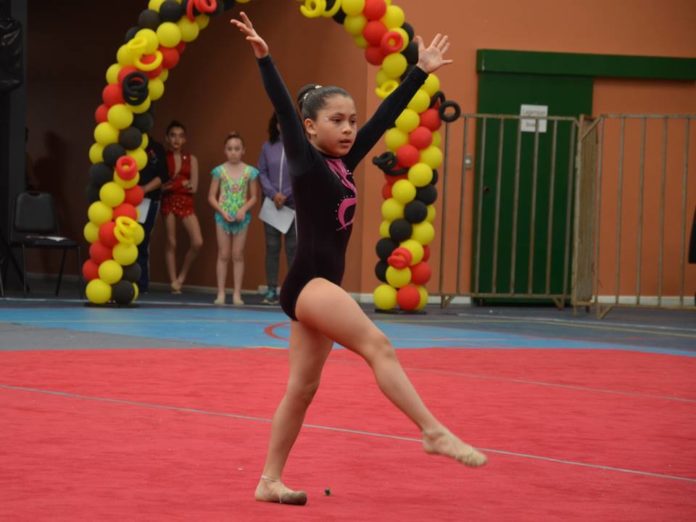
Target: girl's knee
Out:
[302,393]
[238,257]
[197,244]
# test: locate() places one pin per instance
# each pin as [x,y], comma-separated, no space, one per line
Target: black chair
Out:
[35,226]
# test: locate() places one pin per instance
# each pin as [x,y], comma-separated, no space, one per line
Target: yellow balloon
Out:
[354,25]
[98,292]
[403,191]
[385,297]
[140,157]
[398,277]
[386,88]
[416,250]
[407,121]
[423,232]
[404,37]
[353,7]
[155,4]
[138,234]
[164,75]
[120,116]
[151,42]
[423,297]
[96,153]
[437,139]
[189,30]
[360,41]
[432,156]
[105,134]
[392,209]
[112,194]
[169,34]
[394,17]
[420,174]
[432,84]
[202,21]
[431,214]
[145,141]
[112,73]
[126,184]
[125,254]
[394,65]
[91,232]
[99,213]
[110,272]
[136,292]
[384,228]
[124,56]
[395,138]
[420,101]
[156,88]
[139,109]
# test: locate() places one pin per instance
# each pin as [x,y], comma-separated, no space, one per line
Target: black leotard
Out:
[323,187]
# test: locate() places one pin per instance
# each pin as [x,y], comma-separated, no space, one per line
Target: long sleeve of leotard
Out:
[294,140]
[384,117]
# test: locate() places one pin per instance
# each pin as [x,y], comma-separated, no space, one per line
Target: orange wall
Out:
[215,88]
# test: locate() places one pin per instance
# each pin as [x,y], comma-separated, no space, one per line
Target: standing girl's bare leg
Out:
[224,247]
[170,251]
[308,352]
[238,242]
[195,243]
[328,309]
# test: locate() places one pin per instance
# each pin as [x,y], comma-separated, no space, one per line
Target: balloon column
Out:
[413,156]
[152,48]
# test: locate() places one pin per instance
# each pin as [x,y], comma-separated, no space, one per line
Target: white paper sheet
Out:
[280,219]
[143,209]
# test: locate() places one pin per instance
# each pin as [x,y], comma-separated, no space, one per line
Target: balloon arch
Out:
[154,46]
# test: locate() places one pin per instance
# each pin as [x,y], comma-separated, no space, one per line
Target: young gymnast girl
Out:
[323,148]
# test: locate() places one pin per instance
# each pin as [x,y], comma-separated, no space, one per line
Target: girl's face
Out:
[334,129]
[176,138]
[234,150]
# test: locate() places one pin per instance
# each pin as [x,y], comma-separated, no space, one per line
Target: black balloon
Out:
[381,270]
[123,292]
[112,152]
[149,19]
[130,33]
[385,247]
[427,194]
[170,11]
[450,117]
[415,211]
[100,173]
[436,177]
[411,53]
[130,138]
[409,31]
[400,230]
[143,121]
[92,193]
[132,272]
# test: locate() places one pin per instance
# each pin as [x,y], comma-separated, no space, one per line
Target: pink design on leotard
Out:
[338,168]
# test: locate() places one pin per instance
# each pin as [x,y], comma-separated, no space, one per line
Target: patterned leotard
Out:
[233,195]
[178,200]
[323,187]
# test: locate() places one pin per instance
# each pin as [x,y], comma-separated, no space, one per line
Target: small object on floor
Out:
[327,492]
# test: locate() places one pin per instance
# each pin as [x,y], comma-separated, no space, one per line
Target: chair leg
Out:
[60,274]
[24,271]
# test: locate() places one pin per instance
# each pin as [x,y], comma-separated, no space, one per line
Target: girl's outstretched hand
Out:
[431,58]
[258,44]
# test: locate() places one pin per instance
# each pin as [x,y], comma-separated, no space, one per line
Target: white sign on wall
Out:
[530,125]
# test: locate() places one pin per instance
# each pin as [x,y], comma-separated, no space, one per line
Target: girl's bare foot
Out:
[237,300]
[443,442]
[273,490]
[176,286]
[220,300]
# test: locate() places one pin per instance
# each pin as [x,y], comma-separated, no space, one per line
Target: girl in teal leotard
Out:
[233,192]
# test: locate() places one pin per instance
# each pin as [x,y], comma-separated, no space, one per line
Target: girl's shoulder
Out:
[218,171]
[252,171]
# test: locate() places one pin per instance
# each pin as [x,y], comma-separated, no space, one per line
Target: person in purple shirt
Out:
[275,181]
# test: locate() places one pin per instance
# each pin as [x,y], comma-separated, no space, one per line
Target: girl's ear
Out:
[310,127]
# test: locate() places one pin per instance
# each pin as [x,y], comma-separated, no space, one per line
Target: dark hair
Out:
[234,135]
[273,132]
[312,98]
[173,125]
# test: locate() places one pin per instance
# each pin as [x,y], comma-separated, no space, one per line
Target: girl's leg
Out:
[328,309]
[238,242]
[308,352]
[170,251]
[195,243]
[223,258]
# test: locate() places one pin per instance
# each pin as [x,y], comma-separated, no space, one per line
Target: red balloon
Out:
[125,71]
[112,94]
[102,113]
[125,209]
[391,42]
[99,253]
[393,179]
[400,258]
[181,47]
[407,155]
[421,138]
[373,32]
[170,57]
[126,167]
[106,234]
[408,297]
[135,195]
[426,253]
[387,191]
[430,119]
[374,55]
[90,270]
[420,273]
[374,9]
